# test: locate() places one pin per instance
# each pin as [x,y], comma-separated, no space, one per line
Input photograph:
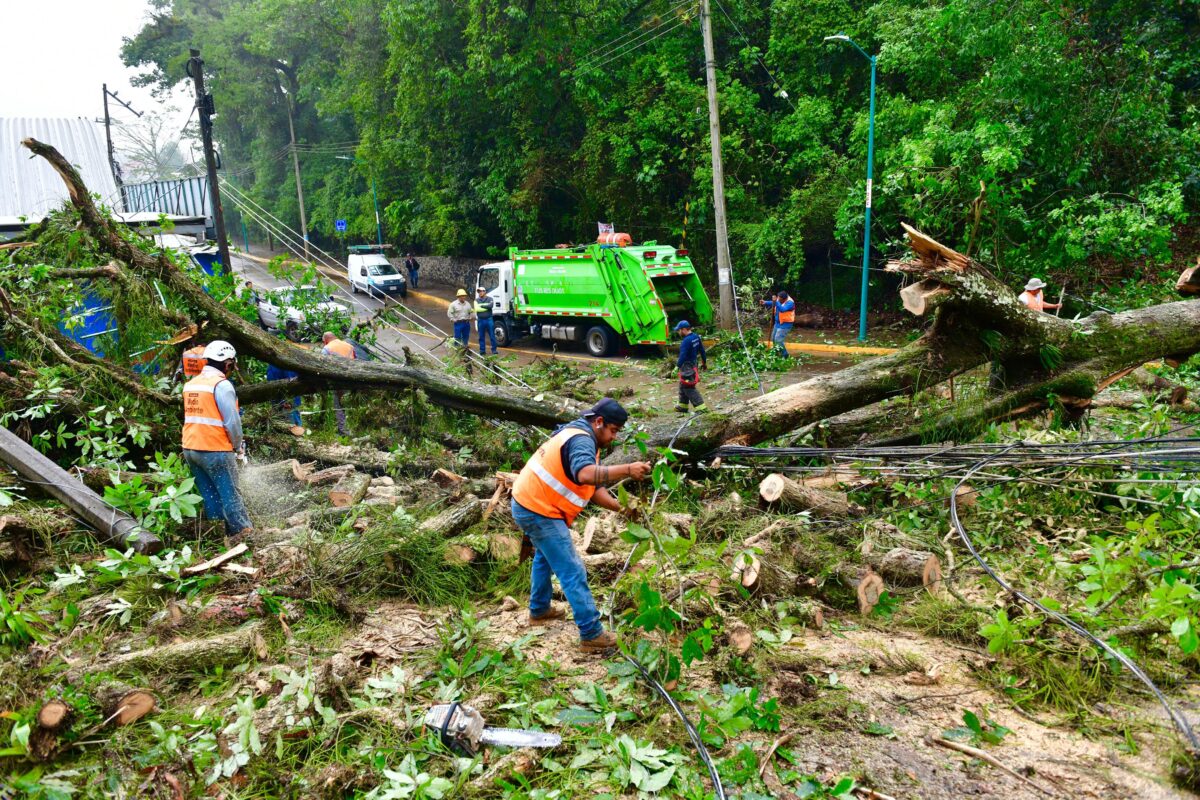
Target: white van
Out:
[368,270]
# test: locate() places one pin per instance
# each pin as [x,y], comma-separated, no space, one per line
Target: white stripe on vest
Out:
[557,485]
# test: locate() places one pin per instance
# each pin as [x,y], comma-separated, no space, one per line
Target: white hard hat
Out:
[219,351]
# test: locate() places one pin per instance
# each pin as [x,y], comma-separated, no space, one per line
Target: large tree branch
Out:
[441,388]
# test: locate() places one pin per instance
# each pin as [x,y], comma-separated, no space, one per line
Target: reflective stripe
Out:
[555,484]
[192,420]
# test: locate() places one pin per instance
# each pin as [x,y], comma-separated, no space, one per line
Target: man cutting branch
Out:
[558,482]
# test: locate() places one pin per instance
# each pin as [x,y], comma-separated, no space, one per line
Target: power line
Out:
[633,45]
[757,57]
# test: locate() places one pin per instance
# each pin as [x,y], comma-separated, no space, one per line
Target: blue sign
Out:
[340,224]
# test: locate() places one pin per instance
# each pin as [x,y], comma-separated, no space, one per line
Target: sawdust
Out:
[874,669]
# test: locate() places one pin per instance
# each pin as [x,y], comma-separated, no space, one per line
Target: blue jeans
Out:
[216,480]
[487,326]
[414,278]
[462,333]
[779,336]
[555,554]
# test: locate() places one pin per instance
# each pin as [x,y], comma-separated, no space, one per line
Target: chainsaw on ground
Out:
[462,729]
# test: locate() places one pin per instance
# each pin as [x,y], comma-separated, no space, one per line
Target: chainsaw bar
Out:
[515,737]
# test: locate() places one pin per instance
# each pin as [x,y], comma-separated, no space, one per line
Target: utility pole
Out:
[724,279]
[296,166]
[204,105]
[112,153]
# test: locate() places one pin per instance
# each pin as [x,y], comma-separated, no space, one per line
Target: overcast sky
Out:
[57,53]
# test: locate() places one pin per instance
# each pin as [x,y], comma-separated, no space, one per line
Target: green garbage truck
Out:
[599,295]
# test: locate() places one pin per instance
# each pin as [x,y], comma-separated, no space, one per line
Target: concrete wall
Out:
[452,270]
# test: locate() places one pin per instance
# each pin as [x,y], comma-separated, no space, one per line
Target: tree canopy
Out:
[1040,138]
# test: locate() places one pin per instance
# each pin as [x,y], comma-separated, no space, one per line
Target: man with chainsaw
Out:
[212,435]
[692,359]
[556,484]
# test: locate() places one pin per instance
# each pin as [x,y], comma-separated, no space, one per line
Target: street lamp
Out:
[862,312]
[374,197]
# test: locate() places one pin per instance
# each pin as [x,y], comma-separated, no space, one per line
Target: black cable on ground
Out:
[1177,718]
[692,733]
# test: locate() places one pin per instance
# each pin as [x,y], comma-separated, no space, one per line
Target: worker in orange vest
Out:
[556,484]
[784,309]
[212,439]
[336,347]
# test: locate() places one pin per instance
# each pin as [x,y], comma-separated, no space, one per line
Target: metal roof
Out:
[29,187]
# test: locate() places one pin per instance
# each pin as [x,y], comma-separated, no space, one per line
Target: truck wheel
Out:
[404,294]
[353,287]
[503,335]
[600,340]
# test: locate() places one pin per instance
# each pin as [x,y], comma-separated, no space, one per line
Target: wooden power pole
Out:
[204,105]
[296,167]
[112,153]
[724,278]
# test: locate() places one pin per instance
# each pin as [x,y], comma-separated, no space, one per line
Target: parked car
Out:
[302,311]
[368,270]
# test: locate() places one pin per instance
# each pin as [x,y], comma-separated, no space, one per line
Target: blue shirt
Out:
[786,305]
[275,373]
[691,350]
[579,451]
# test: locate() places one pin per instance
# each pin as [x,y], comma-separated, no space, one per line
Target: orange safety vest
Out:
[543,486]
[340,348]
[194,361]
[787,316]
[203,425]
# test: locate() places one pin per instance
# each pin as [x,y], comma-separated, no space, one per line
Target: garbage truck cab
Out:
[497,280]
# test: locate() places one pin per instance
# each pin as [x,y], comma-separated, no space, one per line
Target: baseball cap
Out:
[610,410]
[683,323]
[461,293]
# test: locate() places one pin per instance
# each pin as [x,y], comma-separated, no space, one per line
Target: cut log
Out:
[54,716]
[905,567]
[1189,280]
[790,494]
[194,655]
[121,703]
[504,546]
[455,519]
[741,638]
[445,478]
[808,613]
[330,475]
[115,528]
[867,589]
[746,569]
[463,550]
[349,490]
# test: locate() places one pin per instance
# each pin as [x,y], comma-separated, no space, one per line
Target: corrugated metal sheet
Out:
[188,197]
[29,187]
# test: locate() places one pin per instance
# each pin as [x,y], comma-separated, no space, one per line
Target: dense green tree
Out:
[1043,138]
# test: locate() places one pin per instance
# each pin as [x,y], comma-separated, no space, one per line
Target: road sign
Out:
[340,224]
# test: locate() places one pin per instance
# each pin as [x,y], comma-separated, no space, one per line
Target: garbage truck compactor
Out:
[600,295]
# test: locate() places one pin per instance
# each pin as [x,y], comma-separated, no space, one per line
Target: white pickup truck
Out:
[368,270]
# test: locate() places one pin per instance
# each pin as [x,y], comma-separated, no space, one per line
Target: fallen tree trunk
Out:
[441,387]
[976,320]
[115,528]
[193,655]
[906,567]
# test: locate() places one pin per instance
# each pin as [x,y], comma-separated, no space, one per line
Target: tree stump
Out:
[121,703]
[329,475]
[455,519]
[52,721]
[349,490]
[790,494]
